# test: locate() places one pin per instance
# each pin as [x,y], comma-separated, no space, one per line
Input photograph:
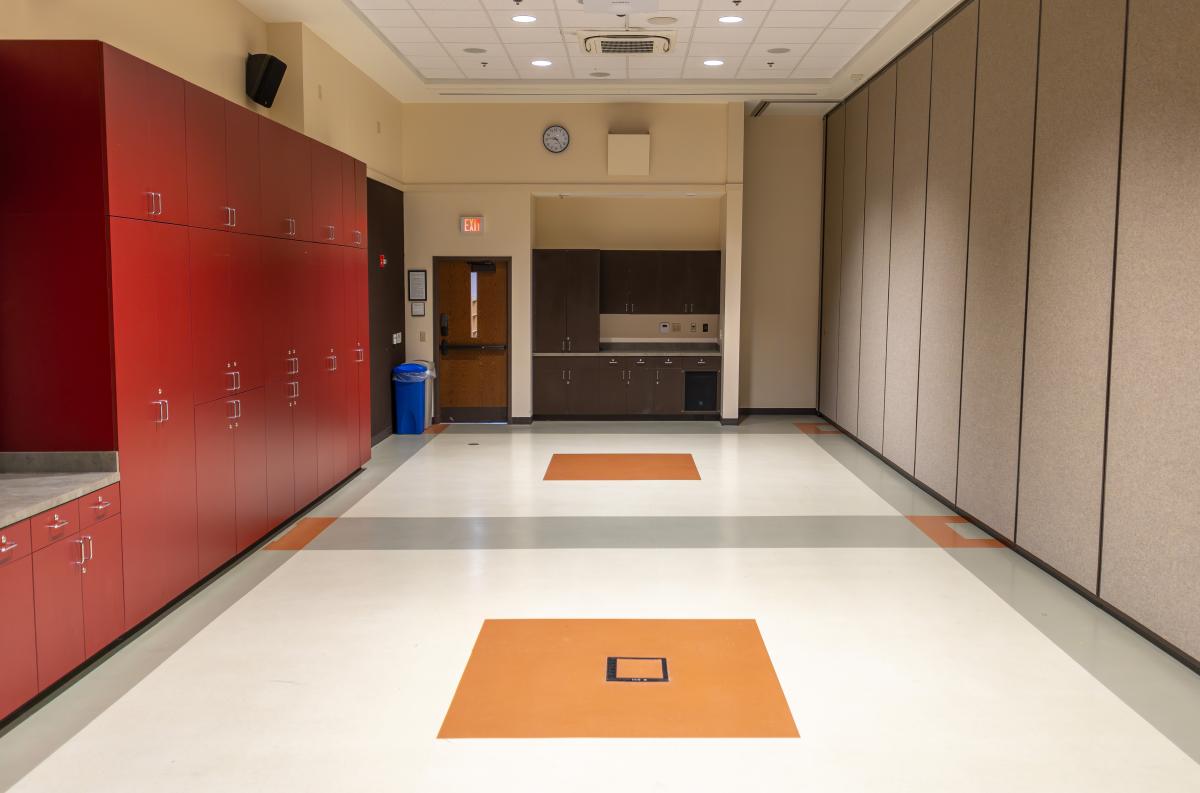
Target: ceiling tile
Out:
[876,5]
[437,5]
[718,49]
[712,19]
[833,49]
[395,19]
[760,63]
[531,35]
[529,52]
[504,19]
[381,4]
[744,35]
[491,52]
[812,5]
[857,36]
[420,48]
[795,50]
[526,5]
[432,62]
[788,35]
[453,19]
[482,35]
[397,35]
[862,19]
[799,19]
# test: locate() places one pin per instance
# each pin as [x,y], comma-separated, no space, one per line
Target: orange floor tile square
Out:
[814,428]
[549,679]
[938,529]
[301,534]
[583,467]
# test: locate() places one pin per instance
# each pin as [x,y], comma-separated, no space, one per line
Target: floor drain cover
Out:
[625,669]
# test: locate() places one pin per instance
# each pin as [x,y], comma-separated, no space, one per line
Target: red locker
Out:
[145,140]
[282,368]
[208,206]
[250,468]
[18,642]
[103,585]
[329,321]
[285,166]
[360,204]
[346,234]
[307,308]
[328,225]
[243,189]
[215,483]
[362,352]
[227,300]
[58,608]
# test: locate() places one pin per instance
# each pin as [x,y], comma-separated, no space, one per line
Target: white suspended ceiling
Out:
[775,41]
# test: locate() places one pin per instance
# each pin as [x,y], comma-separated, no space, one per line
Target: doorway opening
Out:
[472,307]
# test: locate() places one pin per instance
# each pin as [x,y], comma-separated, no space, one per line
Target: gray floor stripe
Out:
[381,534]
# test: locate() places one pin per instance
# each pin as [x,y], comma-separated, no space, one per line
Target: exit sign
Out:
[471,225]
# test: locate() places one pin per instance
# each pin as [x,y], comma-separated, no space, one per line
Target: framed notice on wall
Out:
[417,284]
[417,309]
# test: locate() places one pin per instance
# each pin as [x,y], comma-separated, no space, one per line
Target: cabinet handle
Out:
[701,362]
[358,237]
[668,362]
[231,413]
[234,216]
[332,362]
[293,366]
[233,384]
[12,546]
[633,308]
[228,217]
[238,378]
[58,523]
[91,548]
[150,202]
[568,344]
[331,234]
[164,411]
[641,362]
[562,346]
[160,203]
[82,554]
[360,355]
[293,390]
[102,505]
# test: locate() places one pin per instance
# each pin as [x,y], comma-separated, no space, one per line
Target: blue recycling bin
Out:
[408,386]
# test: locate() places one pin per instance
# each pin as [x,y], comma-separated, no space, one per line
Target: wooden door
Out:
[18,642]
[668,392]
[583,301]
[550,386]
[597,387]
[471,323]
[103,585]
[549,301]
[58,608]
[643,275]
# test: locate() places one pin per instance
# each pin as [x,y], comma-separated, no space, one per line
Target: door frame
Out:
[437,354]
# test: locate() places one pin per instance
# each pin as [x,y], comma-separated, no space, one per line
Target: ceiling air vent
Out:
[596,42]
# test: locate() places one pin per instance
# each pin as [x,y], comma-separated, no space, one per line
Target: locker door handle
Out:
[234,210]
[360,355]
[164,411]
[228,217]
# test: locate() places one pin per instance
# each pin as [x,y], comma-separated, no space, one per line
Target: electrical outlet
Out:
[692,327]
[705,326]
[422,335]
[397,338]
[664,328]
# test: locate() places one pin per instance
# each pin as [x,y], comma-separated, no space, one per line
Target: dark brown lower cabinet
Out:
[612,386]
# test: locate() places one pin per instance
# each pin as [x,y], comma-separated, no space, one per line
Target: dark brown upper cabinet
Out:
[566,301]
[660,282]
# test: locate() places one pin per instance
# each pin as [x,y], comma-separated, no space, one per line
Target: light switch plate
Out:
[422,335]
[692,326]
[397,338]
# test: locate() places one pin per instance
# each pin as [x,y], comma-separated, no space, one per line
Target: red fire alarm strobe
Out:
[382,261]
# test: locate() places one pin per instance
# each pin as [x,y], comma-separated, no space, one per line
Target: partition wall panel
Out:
[997,260]
[907,255]
[850,312]
[877,243]
[831,260]
[1151,541]
[952,99]
[1070,283]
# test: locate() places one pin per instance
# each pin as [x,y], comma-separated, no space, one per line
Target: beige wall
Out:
[474,143]
[781,267]
[628,223]
[323,94]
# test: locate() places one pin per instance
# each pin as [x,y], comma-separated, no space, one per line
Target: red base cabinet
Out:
[218,316]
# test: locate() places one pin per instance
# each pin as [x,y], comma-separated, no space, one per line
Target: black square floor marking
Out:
[611,677]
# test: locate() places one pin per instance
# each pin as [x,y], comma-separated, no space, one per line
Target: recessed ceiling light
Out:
[663,20]
[601,74]
[730,20]
[779,50]
[475,50]
[524,18]
[714,62]
[542,63]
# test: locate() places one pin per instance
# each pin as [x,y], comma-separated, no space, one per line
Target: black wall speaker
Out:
[264,73]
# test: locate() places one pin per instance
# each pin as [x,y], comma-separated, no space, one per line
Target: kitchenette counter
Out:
[659,349]
[27,489]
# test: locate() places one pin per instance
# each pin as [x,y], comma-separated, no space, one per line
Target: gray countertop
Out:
[660,349]
[26,488]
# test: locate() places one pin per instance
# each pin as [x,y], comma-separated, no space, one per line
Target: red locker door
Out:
[249,297]
[350,359]
[281,359]
[135,306]
[210,265]
[299,185]
[176,437]
[103,588]
[326,193]
[346,235]
[165,119]
[215,483]
[276,218]
[306,305]
[129,195]
[363,353]
[360,203]
[331,396]
[250,467]
[18,642]
[206,168]
[243,191]
[58,608]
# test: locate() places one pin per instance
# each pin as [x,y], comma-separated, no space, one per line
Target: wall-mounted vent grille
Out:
[594,42]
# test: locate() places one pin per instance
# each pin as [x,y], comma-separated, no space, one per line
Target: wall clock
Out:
[556,139]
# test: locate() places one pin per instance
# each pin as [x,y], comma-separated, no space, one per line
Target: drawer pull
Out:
[701,362]
[102,505]
[58,524]
[12,546]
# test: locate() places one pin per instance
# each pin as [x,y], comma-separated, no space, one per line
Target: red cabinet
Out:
[250,468]
[145,140]
[330,324]
[222,163]
[18,642]
[328,224]
[360,384]
[156,433]
[103,585]
[285,168]
[360,204]
[227,285]
[58,607]
[215,483]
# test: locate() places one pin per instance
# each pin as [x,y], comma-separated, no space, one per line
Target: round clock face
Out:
[555,139]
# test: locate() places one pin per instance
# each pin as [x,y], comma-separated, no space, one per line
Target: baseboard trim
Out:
[521,420]
[636,417]
[1149,635]
[380,437]
[778,411]
[731,422]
